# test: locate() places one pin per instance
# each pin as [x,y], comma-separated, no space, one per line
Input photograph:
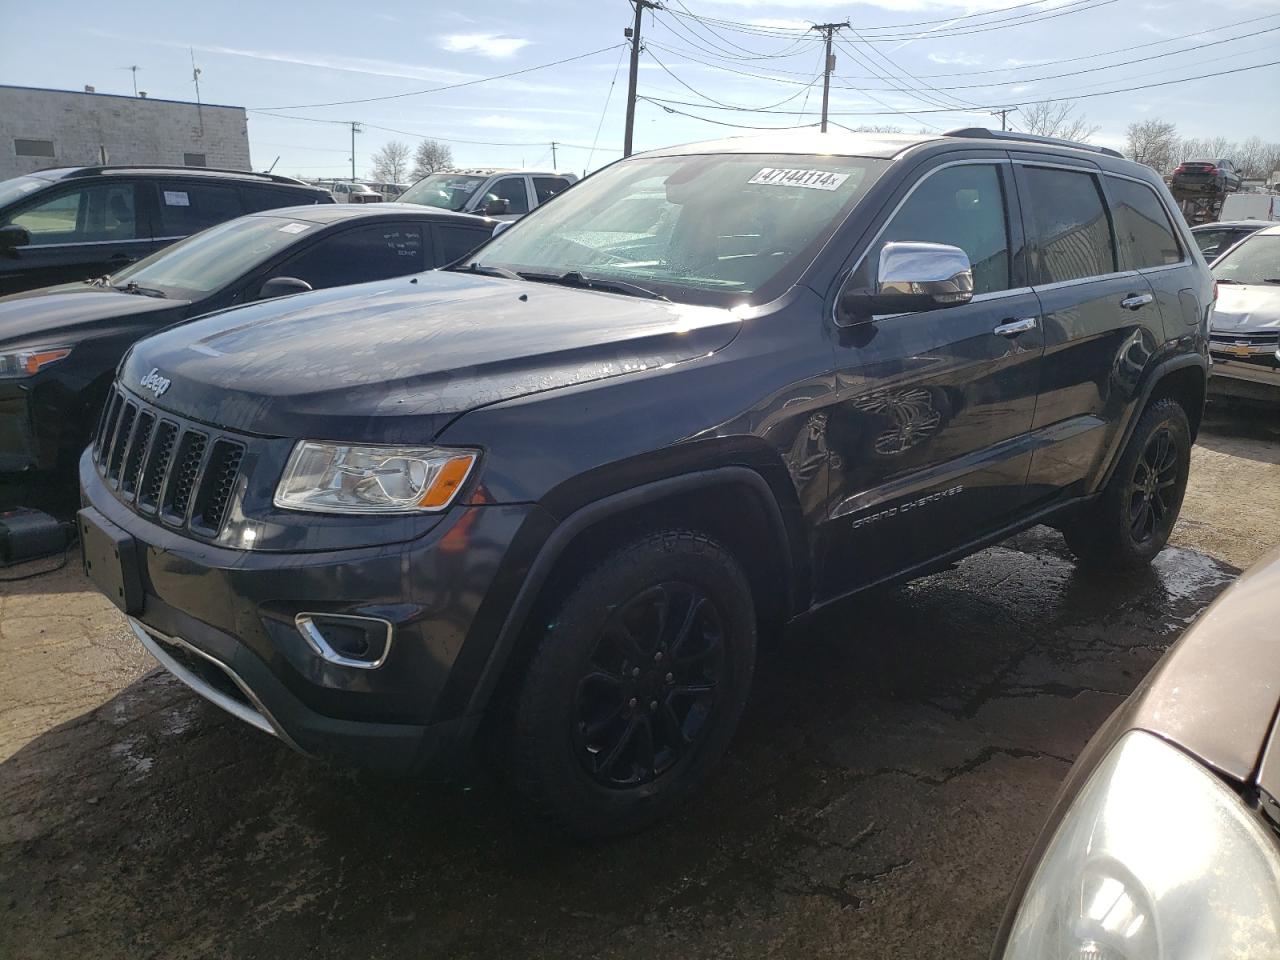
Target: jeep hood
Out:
[1247,307]
[395,361]
[63,314]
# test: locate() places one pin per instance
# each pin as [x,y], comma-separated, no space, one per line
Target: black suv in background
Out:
[60,345]
[70,223]
[558,492]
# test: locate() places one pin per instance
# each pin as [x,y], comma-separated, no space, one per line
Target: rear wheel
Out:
[1131,522]
[636,686]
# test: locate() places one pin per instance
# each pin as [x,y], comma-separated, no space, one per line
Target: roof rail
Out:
[982,133]
[94,171]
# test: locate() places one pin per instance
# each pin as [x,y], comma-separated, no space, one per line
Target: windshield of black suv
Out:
[19,187]
[448,191]
[213,258]
[711,229]
[1255,260]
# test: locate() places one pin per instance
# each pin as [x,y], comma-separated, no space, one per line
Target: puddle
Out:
[1187,575]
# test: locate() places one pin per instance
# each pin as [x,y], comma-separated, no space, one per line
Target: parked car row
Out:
[60,346]
[69,223]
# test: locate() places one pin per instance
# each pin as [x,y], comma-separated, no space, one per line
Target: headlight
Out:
[25,363]
[340,478]
[1155,860]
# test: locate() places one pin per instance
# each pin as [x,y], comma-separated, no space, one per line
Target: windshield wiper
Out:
[132,287]
[1271,279]
[574,279]
[1226,280]
[488,270]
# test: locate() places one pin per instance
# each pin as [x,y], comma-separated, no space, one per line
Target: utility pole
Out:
[828,30]
[355,128]
[633,34]
[1003,114]
[553,156]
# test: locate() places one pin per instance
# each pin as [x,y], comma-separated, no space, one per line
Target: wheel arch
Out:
[771,548]
[1183,378]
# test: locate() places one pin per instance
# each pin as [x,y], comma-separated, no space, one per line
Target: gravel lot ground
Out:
[895,764]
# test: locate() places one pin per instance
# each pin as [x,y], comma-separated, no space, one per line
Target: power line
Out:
[423,136]
[599,126]
[722,123]
[720,103]
[1035,16]
[449,86]
[1030,100]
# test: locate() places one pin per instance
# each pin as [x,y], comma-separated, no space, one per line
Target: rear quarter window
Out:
[1145,235]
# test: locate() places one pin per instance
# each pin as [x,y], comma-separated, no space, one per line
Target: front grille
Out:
[161,465]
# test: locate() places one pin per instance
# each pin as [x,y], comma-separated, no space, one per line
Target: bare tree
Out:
[430,157]
[1056,120]
[1153,142]
[391,163]
[1251,156]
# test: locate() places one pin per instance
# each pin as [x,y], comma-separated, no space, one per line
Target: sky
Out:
[955,59]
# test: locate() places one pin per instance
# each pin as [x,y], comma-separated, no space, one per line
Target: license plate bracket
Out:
[111,560]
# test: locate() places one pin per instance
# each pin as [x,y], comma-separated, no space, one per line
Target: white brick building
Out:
[54,128]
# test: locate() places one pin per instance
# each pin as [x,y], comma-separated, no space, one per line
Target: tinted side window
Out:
[374,252]
[512,190]
[103,211]
[1146,236]
[457,242]
[963,206]
[548,187]
[1070,223]
[186,208]
[1213,242]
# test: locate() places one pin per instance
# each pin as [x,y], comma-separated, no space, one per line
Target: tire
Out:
[624,709]
[1131,521]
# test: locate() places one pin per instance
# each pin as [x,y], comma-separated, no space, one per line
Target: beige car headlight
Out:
[1155,860]
[349,478]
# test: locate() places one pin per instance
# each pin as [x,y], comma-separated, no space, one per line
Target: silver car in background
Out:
[1244,337]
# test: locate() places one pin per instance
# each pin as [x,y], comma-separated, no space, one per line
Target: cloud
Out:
[485,44]
[956,59]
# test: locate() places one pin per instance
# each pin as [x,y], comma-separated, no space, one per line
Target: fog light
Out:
[348,641]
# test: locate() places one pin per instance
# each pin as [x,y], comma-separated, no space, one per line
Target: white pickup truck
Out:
[501,194]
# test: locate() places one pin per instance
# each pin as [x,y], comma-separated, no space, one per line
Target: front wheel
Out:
[1131,521]
[636,686]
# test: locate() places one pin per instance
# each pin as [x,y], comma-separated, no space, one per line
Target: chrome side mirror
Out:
[910,277]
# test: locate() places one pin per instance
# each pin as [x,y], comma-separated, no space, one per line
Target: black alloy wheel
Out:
[650,686]
[1151,491]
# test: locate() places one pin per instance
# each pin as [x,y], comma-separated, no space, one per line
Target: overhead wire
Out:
[607,98]
[448,86]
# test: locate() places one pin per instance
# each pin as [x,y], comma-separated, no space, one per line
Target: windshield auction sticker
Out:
[813,179]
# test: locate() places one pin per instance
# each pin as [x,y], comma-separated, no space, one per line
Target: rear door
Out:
[929,437]
[1101,324]
[185,207]
[83,229]
[544,188]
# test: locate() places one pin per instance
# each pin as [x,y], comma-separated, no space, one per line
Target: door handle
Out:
[1011,328]
[1135,301]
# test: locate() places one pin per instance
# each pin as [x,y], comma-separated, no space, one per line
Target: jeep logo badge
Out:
[155,383]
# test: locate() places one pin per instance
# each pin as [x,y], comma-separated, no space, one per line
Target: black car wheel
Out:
[636,686]
[1131,521]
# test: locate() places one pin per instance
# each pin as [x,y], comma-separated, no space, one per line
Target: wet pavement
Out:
[895,763]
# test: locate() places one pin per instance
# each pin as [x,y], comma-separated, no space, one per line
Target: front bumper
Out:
[223,622]
[1254,376]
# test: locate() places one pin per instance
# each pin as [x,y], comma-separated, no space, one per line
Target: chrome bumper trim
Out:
[256,716]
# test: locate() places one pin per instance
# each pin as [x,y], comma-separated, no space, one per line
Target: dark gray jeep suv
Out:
[556,492]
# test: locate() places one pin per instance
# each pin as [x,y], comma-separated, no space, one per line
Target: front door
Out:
[84,230]
[928,437]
